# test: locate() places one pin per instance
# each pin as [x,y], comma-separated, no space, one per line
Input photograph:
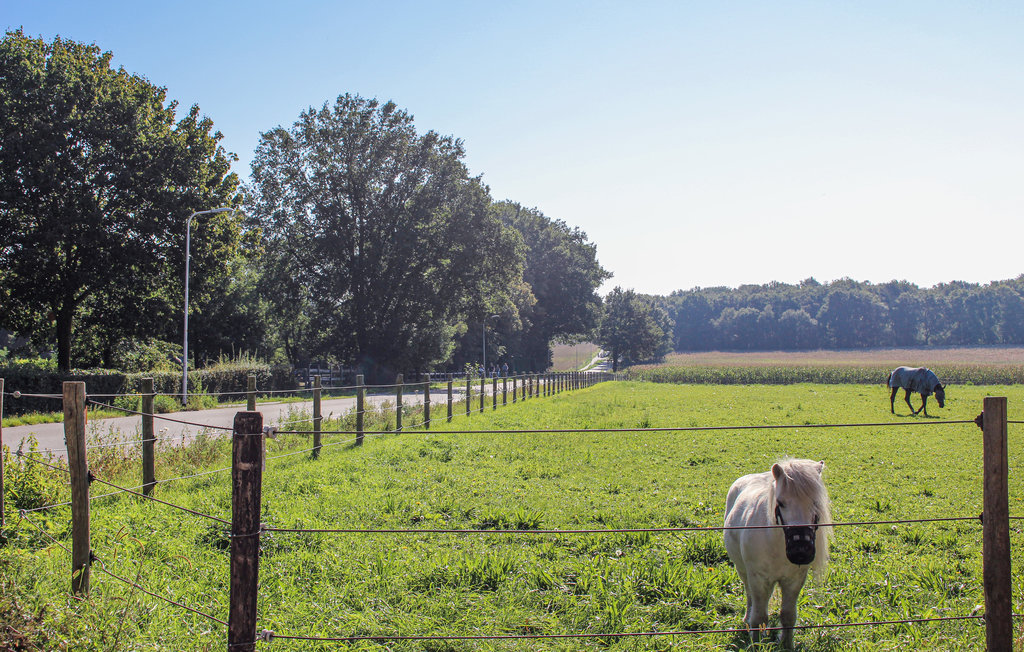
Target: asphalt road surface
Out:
[51,435]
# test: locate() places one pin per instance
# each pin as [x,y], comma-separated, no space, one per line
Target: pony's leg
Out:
[892,399]
[924,404]
[790,589]
[759,591]
[906,397]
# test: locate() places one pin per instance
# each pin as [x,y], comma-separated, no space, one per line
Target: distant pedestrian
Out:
[504,370]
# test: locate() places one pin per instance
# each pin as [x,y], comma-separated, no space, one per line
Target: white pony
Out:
[793,495]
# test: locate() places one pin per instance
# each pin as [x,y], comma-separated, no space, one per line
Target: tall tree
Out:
[564,276]
[96,182]
[385,231]
[634,328]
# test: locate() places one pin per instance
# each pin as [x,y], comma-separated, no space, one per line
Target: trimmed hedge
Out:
[228,381]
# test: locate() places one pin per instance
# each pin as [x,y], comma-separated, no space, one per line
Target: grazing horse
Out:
[916,379]
[791,495]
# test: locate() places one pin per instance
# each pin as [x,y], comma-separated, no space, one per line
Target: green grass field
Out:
[334,585]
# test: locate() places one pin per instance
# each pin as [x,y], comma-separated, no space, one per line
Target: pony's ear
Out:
[821,466]
[777,472]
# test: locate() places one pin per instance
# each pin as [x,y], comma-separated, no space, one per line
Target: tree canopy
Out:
[378,235]
[847,314]
[97,179]
[634,328]
[563,275]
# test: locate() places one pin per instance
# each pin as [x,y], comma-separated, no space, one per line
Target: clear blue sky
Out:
[696,143]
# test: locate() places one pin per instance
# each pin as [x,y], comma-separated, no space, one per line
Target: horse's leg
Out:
[906,397]
[892,400]
[790,588]
[924,404]
[759,591]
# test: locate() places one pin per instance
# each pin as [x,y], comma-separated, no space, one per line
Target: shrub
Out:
[27,484]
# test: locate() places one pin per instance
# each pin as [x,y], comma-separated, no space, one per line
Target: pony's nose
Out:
[800,546]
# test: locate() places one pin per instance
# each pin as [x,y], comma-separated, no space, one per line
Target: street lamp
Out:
[184,348]
[483,333]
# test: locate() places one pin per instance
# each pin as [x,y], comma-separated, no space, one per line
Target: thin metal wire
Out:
[163,418]
[44,532]
[674,429]
[19,394]
[30,458]
[695,528]
[162,502]
[103,569]
[494,637]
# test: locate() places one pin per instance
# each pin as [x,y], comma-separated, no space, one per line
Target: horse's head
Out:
[940,394]
[798,506]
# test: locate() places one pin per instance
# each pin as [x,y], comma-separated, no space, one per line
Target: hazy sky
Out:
[696,143]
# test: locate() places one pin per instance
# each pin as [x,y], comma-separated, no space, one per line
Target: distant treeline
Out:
[847,314]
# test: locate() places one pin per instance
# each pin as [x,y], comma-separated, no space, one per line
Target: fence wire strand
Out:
[687,632]
[693,528]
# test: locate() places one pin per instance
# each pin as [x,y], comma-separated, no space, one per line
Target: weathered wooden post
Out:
[398,403]
[317,415]
[246,489]
[360,401]
[449,398]
[504,390]
[996,528]
[483,390]
[494,393]
[426,403]
[250,394]
[469,393]
[148,439]
[515,392]
[74,436]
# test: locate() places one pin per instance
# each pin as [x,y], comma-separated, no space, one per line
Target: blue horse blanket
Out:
[916,379]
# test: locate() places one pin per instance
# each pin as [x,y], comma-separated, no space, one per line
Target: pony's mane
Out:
[804,483]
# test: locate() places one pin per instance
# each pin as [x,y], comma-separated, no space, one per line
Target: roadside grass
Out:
[447,584]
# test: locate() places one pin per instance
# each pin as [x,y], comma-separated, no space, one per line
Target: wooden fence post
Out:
[515,392]
[996,534]
[360,402]
[398,403]
[449,398]
[250,394]
[148,439]
[426,403]
[504,390]
[74,436]
[246,489]
[317,416]
[494,393]
[483,390]
[1,452]
[469,394]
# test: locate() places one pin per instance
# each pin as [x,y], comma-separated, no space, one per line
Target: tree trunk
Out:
[65,318]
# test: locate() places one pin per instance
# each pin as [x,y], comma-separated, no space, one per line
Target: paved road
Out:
[51,435]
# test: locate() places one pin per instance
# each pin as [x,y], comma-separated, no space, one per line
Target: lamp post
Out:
[184,348]
[483,333]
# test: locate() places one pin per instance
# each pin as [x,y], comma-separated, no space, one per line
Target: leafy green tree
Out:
[634,328]
[853,318]
[381,233]
[563,274]
[97,179]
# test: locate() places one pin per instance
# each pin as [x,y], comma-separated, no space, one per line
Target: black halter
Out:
[795,532]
